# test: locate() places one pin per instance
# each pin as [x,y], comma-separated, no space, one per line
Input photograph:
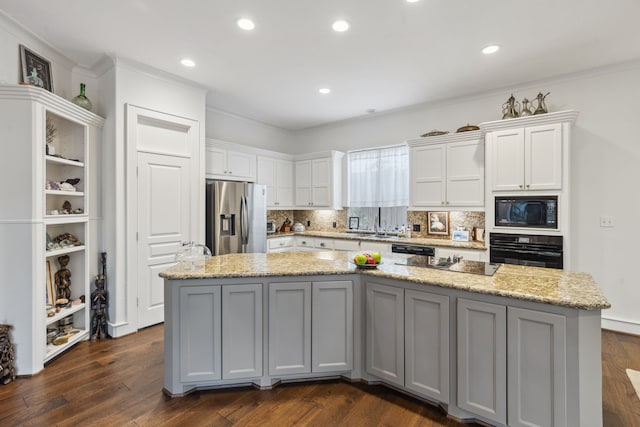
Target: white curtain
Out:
[379,177]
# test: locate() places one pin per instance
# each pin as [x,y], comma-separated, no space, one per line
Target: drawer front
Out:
[326,244]
[280,243]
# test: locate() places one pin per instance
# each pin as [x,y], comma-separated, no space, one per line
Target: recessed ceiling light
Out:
[492,48]
[188,63]
[413,1]
[324,90]
[340,26]
[246,24]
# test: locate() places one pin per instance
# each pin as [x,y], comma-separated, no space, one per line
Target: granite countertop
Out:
[412,241]
[542,285]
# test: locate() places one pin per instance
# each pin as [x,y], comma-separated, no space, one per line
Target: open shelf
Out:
[66,218]
[61,161]
[58,252]
[64,193]
[64,313]
[54,350]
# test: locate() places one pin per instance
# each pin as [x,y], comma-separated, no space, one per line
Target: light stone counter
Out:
[413,241]
[541,285]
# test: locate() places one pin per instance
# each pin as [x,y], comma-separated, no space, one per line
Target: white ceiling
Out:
[396,54]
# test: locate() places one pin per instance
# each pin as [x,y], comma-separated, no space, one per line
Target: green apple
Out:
[360,259]
[376,256]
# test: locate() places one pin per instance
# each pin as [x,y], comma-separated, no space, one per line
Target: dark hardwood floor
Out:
[119,382]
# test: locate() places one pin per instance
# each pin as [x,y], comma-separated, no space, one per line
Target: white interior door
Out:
[163,224]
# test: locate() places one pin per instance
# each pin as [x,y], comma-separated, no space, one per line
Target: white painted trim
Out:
[568,116]
[158,74]
[452,137]
[621,325]
[233,146]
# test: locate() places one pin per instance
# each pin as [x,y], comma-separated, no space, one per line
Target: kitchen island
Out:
[521,347]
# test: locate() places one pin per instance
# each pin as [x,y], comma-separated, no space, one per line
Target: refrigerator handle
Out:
[244,220]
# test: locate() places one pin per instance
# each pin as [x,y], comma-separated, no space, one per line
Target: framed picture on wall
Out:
[354,222]
[438,223]
[36,70]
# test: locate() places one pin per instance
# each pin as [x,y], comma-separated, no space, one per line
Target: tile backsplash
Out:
[466,219]
[322,220]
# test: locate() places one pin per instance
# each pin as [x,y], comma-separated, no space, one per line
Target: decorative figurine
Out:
[542,107]
[100,304]
[63,279]
[510,109]
[526,111]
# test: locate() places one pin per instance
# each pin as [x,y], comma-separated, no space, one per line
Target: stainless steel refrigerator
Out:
[236,220]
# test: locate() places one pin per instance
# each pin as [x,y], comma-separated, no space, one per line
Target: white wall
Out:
[12,35]
[604,162]
[129,83]
[232,128]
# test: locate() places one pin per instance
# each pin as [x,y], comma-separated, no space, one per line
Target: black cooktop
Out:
[462,266]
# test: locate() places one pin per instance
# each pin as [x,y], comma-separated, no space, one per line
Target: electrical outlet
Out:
[308,223]
[335,224]
[416,227]
[607,221]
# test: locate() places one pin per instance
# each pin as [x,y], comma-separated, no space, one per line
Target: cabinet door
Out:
[289,328]
[367,246]
[346,245]
[507,156]
[200,333]
[266,175]
[242,331]
[284,183]
[303,183]
[427,344]
[428,175]
[215,161]
[280,244]
[537,368]
[543,157]
[241,165]
[304,244]
[482,359]
[385,332]
[332,326]
[465,173]
[321,172]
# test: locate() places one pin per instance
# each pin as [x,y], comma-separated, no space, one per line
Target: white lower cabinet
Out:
[368,246]
[346,245]
[289,328]
[304,244]
[310,315]
[242,331]
[482,359]
[200,334]
[385,332]
[332,326]
[426,344]
[537,368]
[280,244]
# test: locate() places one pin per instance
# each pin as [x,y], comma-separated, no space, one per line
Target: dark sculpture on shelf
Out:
[63,279]
[100,304]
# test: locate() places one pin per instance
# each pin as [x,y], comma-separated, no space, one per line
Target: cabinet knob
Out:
[304,242]
[528,186]
[520,185]
[442,202]
[322,244]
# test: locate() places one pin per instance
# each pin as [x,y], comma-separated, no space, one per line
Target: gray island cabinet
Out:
[519,348]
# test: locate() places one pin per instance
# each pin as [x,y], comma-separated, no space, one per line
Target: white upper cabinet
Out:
[529,153]
[447,171]
[277,175]
[318,179]
[222,163]
[527,158]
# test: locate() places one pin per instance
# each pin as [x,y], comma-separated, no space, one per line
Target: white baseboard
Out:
[626,326]
[117,330]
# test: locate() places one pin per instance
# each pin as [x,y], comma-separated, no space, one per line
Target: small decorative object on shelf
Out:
[63,280]
[511,108]
[82,99]
[435,133]
[66,207]
[467,128]
[50,135]
[526,110]
[7,371]
[36,71]
[100,304]
[542,107]
[61,241]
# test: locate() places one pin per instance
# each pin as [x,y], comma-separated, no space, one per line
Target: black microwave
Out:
[527,211]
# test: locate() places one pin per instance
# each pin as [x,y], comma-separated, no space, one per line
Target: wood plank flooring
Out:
[119,382]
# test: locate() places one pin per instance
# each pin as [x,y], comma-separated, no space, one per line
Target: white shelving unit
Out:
[30,213]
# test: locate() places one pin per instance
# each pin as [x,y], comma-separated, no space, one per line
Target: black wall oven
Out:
[527,211]
[526,249]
